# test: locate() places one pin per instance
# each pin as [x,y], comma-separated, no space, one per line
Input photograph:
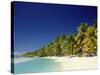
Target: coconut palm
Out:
[90,43]
[80,36]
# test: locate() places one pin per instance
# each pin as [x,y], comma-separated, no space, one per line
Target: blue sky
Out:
[37,24]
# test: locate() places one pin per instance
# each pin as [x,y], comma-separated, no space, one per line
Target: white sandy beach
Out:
[76,63]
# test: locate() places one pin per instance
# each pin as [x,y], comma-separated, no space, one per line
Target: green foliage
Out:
[82,43]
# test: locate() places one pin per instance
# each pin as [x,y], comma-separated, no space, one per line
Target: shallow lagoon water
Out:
[37,65]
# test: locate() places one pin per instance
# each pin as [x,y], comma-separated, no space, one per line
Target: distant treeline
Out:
[81,43]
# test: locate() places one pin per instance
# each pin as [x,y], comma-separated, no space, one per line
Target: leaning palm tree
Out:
[81,33]
[80,36]
[90,43]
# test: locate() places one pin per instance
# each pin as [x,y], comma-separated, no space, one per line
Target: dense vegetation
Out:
[81,43]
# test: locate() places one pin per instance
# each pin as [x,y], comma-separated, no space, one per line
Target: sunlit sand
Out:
[76,63]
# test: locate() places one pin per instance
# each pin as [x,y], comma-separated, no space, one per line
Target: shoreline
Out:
[68,63]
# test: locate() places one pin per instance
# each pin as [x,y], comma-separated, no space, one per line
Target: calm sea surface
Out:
[37,65]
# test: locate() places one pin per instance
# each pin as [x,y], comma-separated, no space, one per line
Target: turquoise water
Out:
[37,65]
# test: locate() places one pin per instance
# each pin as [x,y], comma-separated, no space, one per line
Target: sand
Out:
[76,63]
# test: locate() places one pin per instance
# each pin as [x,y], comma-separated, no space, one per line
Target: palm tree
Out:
[81,33]
[90,43]
[80,36]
